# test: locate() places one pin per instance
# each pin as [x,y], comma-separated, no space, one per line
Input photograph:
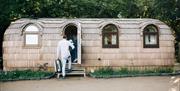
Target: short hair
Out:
[64,37]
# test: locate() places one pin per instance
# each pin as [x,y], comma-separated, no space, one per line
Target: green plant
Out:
[25,74]
[109,72]
[103,71]
[164,70]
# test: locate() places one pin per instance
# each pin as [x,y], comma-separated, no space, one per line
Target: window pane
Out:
[110,39]
[150,29]
[150,39]
[114,37]
[107,39]
[31,39]
[110,28]
[32,28]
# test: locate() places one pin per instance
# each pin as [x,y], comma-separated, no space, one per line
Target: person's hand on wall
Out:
[71,41]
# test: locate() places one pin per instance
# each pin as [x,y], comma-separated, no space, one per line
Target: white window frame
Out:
[26,33]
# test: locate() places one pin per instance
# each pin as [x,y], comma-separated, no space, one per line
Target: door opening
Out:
[71,33]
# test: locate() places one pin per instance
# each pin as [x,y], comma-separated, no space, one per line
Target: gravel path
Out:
[91,84]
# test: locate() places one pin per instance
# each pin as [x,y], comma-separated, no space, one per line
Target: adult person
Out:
[74,52]
[63,53]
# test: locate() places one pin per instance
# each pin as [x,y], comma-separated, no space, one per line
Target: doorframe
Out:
[79,33]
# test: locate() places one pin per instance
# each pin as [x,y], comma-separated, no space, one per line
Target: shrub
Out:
[109,72]
[23,75]
[103,71]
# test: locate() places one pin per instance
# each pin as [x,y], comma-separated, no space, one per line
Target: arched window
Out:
[110,37]
[31,36]
[151,37]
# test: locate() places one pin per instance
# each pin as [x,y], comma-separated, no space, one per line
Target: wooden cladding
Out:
[127,49]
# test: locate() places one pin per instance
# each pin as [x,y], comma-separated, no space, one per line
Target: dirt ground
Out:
[91,84]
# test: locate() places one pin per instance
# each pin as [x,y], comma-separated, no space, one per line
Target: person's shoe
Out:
[63,77]
[59,71]
[69,70]
[75,61]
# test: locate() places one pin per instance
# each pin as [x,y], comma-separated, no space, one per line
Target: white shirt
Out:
[63,49]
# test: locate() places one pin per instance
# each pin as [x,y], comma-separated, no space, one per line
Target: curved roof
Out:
[122,23]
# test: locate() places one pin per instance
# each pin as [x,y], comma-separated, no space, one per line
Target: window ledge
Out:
[31,47]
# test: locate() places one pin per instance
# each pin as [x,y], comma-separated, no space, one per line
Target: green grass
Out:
[23,75]
[107,72]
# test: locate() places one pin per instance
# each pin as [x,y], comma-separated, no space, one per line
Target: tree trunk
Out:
[179,53]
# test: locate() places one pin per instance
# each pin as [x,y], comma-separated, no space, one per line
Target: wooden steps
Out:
[76,71]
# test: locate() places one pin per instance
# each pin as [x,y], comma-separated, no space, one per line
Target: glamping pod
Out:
[99,42]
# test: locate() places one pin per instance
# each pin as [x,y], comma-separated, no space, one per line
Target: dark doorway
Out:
[71,33]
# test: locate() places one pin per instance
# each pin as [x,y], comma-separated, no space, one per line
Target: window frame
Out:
[25,33]
[104,33]
[151,33]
